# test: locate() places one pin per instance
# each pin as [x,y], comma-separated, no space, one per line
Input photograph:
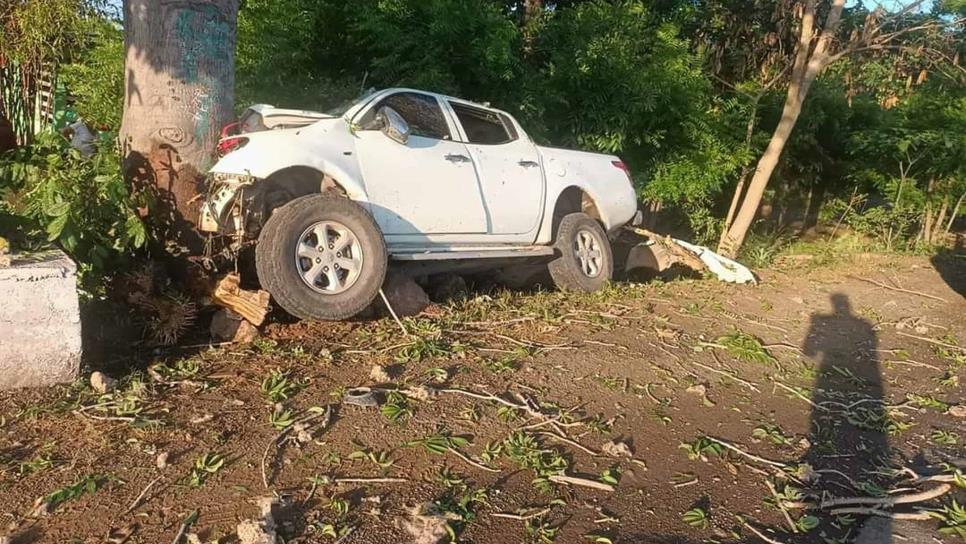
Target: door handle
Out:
[528,164]
[457,158]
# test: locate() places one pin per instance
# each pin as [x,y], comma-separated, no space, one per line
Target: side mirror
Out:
[393,125]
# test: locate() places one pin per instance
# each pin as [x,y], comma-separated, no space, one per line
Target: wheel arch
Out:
[574,199]
[301,180]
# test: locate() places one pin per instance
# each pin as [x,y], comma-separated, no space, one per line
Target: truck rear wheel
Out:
[585,262]
[321,258]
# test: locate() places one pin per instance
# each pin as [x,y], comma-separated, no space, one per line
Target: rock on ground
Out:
[227,326]
[446,287]
[261,531]
[102,383]
[405,295]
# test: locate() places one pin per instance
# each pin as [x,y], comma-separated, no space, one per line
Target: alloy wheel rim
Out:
[589,255]
[328,257]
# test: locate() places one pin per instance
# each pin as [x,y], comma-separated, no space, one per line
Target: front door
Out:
[427,186]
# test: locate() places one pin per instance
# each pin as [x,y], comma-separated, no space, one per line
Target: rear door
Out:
[508,166]
[427,186]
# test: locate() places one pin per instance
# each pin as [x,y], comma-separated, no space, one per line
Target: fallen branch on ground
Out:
[137,501]
[899,289]
[922,496]
[583,482]
[326,415]
[751,456]
[932,341]
[522,517]
[915,516]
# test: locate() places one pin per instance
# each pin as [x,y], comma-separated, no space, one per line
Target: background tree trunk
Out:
[810,60]
[179,93]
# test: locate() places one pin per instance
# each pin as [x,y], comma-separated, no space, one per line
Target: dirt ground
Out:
[688,411]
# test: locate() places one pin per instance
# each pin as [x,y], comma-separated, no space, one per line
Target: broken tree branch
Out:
[583,482]
[252,305]
[898,289]
[326,415]
[915,516]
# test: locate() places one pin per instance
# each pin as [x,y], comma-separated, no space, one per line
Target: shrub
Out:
[82,205]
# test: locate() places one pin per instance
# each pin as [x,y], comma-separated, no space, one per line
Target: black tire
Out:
[566,270]
[278,269]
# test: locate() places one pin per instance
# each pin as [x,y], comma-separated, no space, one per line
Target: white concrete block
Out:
[40,327]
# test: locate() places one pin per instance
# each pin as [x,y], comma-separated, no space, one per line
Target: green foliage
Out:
[87,485]
[82,205]
[96,79]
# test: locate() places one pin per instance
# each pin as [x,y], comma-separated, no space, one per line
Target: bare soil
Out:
[816,366]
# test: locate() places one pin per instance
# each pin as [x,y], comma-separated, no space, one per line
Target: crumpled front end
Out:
[223,211]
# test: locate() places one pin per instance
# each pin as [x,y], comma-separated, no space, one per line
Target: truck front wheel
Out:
[585,262]
[321,257]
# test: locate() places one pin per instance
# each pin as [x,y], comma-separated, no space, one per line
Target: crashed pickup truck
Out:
[417,178]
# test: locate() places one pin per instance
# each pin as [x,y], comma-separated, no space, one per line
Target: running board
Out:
[529,251]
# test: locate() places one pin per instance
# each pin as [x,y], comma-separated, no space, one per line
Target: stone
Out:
[446,287]
[958,410]
[227,326]
[40,326]
[378,374]
[161,461]
[427,525]
[405,295]
[617,449]
[260,531]
[102,383]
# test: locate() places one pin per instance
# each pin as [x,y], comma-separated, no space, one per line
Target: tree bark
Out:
[179,93]
[809,62]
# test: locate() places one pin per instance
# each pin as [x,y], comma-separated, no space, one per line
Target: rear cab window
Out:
[485,127]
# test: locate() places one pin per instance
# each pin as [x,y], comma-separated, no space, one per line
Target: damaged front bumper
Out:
[222,211]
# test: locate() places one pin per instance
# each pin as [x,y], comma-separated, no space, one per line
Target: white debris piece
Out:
[723,268]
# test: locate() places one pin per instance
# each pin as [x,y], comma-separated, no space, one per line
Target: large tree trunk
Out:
[179,93]
[735,235]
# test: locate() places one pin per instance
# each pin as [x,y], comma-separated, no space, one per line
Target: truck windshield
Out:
[343,107]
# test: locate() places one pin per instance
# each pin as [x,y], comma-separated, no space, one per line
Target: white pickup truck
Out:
[414,177]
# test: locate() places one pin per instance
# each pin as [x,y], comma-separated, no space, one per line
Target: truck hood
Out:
[261,117]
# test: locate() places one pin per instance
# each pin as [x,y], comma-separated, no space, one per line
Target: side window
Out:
[421,111]
[483,126]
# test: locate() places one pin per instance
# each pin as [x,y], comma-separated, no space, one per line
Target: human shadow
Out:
[951,265]
[849,426]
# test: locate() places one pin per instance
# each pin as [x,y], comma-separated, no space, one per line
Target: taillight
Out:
[622,166]
[228,145]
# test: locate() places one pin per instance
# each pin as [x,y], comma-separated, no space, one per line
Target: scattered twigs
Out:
[140,498]
[801,396]
[185,525]
[915,516]
[385,300]
[573,443]
[758,533]
[583,482]
[932,341]
[751,456]
[280,437]
[730,375]
[467,460]
[922,496]
[898,289]
[522,517]
[367,480]
[778,502]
